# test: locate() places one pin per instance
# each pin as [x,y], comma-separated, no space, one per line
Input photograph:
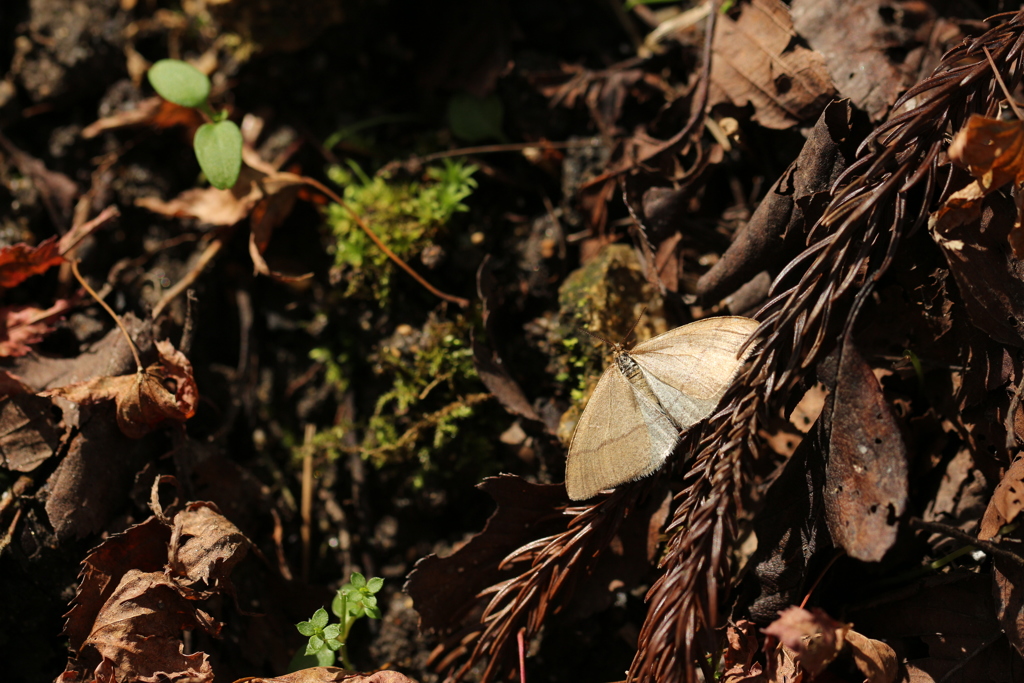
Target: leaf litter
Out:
[852,508]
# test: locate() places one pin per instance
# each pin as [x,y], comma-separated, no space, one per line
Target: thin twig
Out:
[184,283]
[964,537]
[307,496]
[333,196]
[115,316]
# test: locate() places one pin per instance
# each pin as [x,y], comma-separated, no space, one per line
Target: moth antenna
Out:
[633,326]
[597,337]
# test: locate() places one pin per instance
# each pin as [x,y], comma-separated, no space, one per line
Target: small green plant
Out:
[406,216]
[218,144]
[357,598]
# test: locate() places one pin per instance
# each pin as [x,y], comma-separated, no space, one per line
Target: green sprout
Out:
[218,144]
[355,599]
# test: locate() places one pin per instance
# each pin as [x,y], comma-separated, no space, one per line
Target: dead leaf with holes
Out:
[1006,503]
[164,391]
[757,61]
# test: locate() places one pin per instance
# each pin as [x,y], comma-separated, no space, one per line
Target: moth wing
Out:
[620,437]
[691,367]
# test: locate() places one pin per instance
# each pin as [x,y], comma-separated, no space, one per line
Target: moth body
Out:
[651,394]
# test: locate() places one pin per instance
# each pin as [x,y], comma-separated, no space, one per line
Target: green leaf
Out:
[332,631]
[336,605]
[375,584]
[319,619]
[305,628]
[373,612]
[369,601]
[315,644]
[335,645]
[219,151]
[357,580]
[325,657]
[179,82]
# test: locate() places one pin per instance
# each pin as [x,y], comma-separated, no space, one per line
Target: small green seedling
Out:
[355,599]
[218,144]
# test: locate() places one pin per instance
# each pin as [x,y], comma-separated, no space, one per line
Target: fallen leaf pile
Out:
[140,589]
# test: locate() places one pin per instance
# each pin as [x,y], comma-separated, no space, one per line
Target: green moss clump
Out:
[430,387]
[407,216]
[603,297]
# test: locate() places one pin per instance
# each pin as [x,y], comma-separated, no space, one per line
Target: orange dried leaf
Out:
[164,390]
[154,111]
[992,150]
[22,326]
[19,262]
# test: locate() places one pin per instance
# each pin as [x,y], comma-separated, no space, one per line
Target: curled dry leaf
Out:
[207,546]
[756,61]
[267,198]
[164,390]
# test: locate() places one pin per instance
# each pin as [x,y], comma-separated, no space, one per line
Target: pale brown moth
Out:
[648,397]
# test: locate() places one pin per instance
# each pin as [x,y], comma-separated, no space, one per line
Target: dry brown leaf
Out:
[154,111]
[134,600]
[137,632]
[815,637]
[870,56]
[866,480]
[991,149]
[876,660]
[164,390]
[206,545]
[28,434]
[22,326]
[1006,503]
[19,262]
[757,61]
[738,661]
[267,198]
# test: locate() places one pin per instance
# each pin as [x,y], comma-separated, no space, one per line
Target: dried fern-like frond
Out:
[879,201]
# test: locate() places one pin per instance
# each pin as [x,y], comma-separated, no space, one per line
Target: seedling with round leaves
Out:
[218,143]
[355,599]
